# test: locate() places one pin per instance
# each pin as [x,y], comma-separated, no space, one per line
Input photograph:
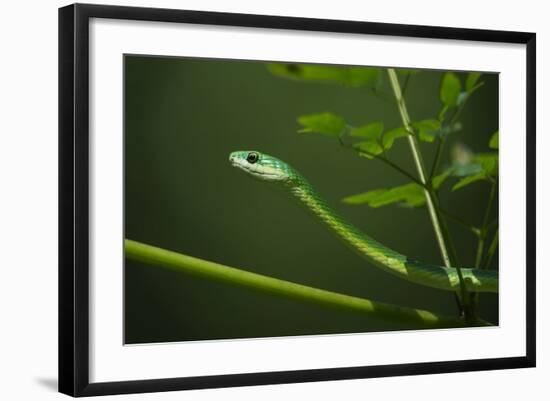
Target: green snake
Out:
[270,169]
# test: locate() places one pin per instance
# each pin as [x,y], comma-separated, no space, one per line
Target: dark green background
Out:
[184,116]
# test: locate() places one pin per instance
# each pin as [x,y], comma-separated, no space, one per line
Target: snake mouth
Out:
[252,170]
[235,162]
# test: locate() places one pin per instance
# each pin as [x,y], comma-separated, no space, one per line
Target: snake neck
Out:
[386,258]
[365,245]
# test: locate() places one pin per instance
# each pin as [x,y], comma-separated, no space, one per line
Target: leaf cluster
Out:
[372,140]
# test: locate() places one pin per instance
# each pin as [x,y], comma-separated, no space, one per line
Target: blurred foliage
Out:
[348,76]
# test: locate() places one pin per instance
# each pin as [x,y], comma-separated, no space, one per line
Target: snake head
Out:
[263,167]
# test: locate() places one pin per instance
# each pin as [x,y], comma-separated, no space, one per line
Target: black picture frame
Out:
[74,198]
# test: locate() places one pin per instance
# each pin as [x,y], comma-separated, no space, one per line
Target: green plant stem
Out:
[437,158]
[450,216]
[476,231]
[443,247]
[445,229]
[483,236]
[405,85]
[492,194]
[401,170]
[396,167]
[485,226]
[144,253]
[491,251]
[418,163]
[479,251]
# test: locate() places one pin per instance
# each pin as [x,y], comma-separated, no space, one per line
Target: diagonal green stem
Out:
[419,163]
[415,150]
[144,253]
[485,226]
[437,158]
[395,167]
[491,251]
[474,230]
[483,236]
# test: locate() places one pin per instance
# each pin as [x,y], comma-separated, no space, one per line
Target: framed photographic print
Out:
[249,199]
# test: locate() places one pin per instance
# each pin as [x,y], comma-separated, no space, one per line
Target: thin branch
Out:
[460,108]
[445,229]
[418,162]
[483,236]
[489,205]
[143,253]
[405,84]
[484,226]
[394,166]
[491,251]
[383,159]
[437,158]
[479,251]
[443,247]
[476,231]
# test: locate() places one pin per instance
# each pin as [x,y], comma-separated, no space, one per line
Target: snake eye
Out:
[252,157]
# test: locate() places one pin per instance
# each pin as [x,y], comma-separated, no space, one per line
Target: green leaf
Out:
[438,180]
[411,195]
[484,166]
[363,76]
[450,89]
[471,81]
[363,198]
[428,130]
[389,137]
[470,179]
[472,85]
[442,112]
[493,143]
[489,162]
[369,148]
[370,131]
[467,169]
[323,123]
[350,76]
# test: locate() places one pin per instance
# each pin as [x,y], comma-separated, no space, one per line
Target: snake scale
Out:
[270,169]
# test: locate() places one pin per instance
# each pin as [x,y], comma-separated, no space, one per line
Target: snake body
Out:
[270,169]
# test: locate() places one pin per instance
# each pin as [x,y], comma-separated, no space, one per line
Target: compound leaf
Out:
[370,131]
[450,89]
[323,123]
[469,180]
[411,195]
[369,148]
[428,130]
[493,143]
[389,137]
